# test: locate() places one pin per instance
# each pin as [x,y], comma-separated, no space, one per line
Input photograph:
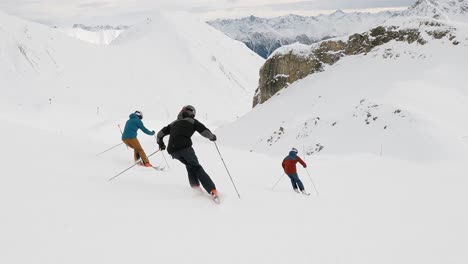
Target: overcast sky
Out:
[83,11]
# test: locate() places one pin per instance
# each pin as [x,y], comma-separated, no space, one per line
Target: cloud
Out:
[344,4]
[94,5]
[80,11]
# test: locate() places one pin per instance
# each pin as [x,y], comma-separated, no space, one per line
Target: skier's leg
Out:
[197,170]
[293,181]
[297,181]
[193,180]
[139,152]
[136,156]
[129,143]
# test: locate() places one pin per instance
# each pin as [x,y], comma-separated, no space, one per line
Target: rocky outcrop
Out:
[287,66]
[279,71]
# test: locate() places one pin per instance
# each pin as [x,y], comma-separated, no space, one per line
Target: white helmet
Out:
[294,150]
[139,114]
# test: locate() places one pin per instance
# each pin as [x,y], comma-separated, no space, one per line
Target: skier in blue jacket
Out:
[129,137]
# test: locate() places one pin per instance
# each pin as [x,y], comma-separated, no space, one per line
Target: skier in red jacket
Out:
[289,166]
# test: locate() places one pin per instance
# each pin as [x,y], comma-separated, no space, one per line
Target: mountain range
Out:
[265,35]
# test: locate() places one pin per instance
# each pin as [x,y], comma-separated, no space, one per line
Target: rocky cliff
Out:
[296,62]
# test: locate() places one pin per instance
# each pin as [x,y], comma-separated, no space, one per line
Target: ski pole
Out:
[277,182]
[227,169]
[110,148]
[131,166]
[121,133]
[312,181]
[164,156]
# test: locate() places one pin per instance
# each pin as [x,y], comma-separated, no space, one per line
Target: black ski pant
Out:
[296,182]
[196,173]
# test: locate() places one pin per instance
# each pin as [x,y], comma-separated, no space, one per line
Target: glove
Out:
[213,138]
[162,146]
[305,166]
[153,133]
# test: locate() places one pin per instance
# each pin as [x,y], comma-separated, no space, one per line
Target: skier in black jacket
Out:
[180,147]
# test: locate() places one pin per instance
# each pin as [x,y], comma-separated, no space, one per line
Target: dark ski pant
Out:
[196,173]
[296,182]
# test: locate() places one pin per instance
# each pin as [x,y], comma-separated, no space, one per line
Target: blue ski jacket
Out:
[132,126]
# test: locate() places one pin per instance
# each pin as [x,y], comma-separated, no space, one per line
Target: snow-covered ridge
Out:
[99,34]
[439,9]
[101,27]
[100,37]
[264,35]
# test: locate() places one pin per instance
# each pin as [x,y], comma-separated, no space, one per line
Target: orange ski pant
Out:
[138,151]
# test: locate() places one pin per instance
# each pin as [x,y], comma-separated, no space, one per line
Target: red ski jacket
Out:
[289,163]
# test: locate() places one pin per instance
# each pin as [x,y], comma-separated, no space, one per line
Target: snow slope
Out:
[58,206]
[157,72]
[410,105]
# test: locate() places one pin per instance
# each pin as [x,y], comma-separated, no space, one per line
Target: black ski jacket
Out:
[181,131]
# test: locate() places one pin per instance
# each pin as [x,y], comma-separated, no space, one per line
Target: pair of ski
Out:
[158,168]
[302,192]
[213,197]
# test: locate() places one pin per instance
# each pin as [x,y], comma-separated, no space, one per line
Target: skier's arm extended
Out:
[144,129]
[301,162]
[200,128]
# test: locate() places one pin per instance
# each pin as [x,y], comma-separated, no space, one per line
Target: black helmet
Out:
[139,114]
[190,110]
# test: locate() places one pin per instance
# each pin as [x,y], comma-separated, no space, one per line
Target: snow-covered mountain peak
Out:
[96,34]
[439,9]
[338,14]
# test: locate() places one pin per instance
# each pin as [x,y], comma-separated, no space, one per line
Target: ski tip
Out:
[216,199]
